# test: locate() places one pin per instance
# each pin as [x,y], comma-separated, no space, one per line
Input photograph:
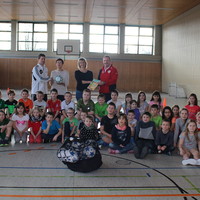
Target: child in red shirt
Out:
[192,106]
[54,105]
[35,124]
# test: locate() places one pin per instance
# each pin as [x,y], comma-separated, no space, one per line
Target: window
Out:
[32,37]
[5,36]
[138,40]
[104,39]
[68,32]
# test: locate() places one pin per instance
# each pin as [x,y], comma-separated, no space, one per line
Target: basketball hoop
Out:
[68,49]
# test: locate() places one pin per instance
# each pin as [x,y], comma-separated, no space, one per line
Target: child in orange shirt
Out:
[28,103]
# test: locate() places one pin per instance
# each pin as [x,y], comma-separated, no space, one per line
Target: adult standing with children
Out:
[83,77]
[39,78]
[108,76]
[59,79]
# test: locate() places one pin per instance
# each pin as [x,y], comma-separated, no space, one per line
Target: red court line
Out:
[12,153]
[100,196]
[27,150]
[40,148]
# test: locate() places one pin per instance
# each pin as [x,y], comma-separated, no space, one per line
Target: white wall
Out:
[181,52]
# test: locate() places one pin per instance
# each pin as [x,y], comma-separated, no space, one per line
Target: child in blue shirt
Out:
[51,130]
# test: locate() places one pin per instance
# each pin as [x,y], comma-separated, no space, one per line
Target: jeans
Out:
[124,149]
[79,94]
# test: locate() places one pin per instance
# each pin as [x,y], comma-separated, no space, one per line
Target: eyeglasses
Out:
[70,113]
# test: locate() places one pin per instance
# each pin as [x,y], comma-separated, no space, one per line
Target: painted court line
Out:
[100,196]
[132,168]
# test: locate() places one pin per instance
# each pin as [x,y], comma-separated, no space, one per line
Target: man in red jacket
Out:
[108,78]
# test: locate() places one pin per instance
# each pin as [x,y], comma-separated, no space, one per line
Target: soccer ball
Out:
[89,152]
[71,156]
[58,79]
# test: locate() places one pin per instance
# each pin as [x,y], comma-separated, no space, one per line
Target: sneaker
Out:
[198,162]
[159,151]
[116,152]
[144,152]
[190,162]
[110,150]
[130,151]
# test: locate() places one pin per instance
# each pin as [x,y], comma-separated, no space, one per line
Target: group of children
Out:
[134,126]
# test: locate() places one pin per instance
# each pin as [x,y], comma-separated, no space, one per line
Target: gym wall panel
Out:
[133,76]
[181,52]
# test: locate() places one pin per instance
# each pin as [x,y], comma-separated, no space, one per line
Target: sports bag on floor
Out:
[80,156]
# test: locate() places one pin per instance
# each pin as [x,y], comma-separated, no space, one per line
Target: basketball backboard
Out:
[68,47]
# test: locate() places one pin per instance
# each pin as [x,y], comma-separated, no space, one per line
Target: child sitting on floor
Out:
[20,123]
[51,130]
[35,124]
[114,99]
[189,144]
[100,108]
[88,131]
[121,136]
[5,129]
[70,125]
[164,138]
[145,134]
[28,103]
[155,116]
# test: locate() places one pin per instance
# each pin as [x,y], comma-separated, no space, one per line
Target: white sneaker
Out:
[198,162]
[189,162]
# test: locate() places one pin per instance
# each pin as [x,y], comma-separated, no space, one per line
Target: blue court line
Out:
[138,168]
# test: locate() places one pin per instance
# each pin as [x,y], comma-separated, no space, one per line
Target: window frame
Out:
[32,40]
[105,34]
[138,42]
[2,31]
[68,34]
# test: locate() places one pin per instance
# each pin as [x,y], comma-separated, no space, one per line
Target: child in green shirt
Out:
[85,104]
[2,102]
[70,124]
[100,108]
[155,116]
[5,129]
[10,104]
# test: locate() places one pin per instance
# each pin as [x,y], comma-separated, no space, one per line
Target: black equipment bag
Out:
[80,156]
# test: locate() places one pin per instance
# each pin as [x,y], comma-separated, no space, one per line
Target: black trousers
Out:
[33,97]
[49,138]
